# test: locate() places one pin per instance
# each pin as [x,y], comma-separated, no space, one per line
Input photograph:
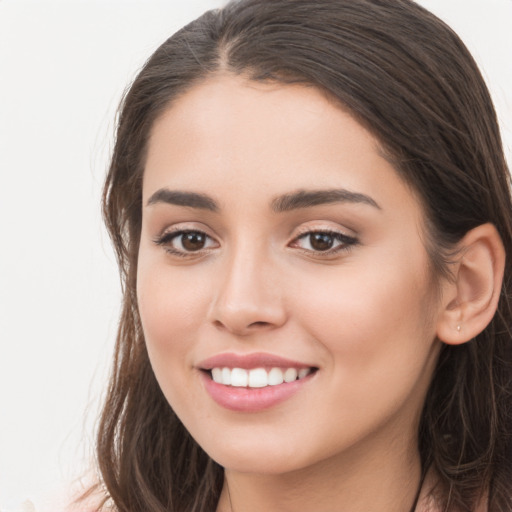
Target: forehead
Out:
[264,137]
[221,105]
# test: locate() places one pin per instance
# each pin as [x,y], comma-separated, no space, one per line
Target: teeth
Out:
[303,372]
[217,375]
[290,375]
[226,376]
[258,377]
[275,377]
[239,377]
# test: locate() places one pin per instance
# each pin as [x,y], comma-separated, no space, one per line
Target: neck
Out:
[386,480]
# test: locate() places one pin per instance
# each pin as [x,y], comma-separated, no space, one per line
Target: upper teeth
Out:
[258,377]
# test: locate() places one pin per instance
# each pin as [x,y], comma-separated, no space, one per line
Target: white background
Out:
[63,67]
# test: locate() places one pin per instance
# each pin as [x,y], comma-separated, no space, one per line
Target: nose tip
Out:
[244,319]
[247,301]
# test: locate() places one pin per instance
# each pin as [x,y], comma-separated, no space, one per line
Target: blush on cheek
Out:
[367,315]
[169,314]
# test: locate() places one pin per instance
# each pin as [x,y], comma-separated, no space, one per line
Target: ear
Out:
[470,300]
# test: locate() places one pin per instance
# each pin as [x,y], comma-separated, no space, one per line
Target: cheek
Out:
[378,339]
[171,309]
[366,314]
[171,306]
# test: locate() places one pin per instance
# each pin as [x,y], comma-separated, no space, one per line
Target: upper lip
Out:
[249,361]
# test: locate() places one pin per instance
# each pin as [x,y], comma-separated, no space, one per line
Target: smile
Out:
[257,377]
[254,382]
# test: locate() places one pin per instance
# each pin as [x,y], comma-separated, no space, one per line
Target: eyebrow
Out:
[180,198]
[308,199]
[284,203]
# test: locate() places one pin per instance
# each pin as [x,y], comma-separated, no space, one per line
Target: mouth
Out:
[258,377]
[254,382]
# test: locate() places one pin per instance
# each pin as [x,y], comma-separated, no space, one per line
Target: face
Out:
[283,283]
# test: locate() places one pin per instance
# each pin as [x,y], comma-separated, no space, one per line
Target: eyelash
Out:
[167,238]
[346,242]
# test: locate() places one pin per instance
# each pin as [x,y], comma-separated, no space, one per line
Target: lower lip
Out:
[252,399]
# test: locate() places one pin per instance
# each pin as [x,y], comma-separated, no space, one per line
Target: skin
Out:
[365,316]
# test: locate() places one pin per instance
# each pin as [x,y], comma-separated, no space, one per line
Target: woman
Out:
[311,210]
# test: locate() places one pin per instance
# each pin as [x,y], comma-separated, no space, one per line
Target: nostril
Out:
[255,325]
[218,324]
[259,324]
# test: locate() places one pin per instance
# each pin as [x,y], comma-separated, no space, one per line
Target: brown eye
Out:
[329,242]
[193,241]
[321,241]
[181,243]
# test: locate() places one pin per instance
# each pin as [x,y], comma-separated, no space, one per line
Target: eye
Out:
[184,242]
[329,242]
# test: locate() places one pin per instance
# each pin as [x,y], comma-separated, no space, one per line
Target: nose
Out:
[248,297]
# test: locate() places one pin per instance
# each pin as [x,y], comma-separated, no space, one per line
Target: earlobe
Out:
[470,301]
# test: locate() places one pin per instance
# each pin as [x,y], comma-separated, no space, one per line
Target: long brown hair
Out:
[408,79]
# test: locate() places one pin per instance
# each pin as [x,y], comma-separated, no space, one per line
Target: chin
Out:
[269,457]
[258,464]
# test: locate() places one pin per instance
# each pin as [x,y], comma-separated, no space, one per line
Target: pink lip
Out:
[241,399]
[252,399]
[249,361]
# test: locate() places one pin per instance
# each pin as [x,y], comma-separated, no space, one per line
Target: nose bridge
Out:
[248,296]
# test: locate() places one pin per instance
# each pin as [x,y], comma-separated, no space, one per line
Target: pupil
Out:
[321,241]
[193,241]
